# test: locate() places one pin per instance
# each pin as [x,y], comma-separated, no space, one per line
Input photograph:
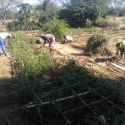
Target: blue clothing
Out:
[3,46]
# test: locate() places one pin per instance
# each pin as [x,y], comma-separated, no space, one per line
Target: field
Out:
[59,87]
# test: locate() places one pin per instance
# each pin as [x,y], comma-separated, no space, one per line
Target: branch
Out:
[57,100]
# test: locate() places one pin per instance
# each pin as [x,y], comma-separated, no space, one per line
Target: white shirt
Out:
[48,36]
[4,35]
[69,38]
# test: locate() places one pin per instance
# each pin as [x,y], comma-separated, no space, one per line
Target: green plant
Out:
[12,26]
[72,72]
[96,44]
[56,27]
[120,120]
[88,23]
[29,61]
[101,22]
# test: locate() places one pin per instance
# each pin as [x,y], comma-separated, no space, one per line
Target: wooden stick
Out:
[115,105]
[57,100]
[84,106]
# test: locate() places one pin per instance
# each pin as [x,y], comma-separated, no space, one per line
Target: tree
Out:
[118,3]
[11,15]
[56,27]
[117,7]
[5,5]
[47,10]
[25,11]
[78,11]
[27,16]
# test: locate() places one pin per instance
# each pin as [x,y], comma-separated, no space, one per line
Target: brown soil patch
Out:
[97,64]
[5,69]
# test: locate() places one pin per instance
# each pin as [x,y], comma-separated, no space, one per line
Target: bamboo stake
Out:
[57,100]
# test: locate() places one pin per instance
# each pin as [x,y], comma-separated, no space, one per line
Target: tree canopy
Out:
[76,12]
[5,5]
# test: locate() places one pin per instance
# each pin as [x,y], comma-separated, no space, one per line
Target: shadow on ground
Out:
[110,59]
[76,54]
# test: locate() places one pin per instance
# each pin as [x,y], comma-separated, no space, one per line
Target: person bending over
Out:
[4,36]
[50,39]
[67,39]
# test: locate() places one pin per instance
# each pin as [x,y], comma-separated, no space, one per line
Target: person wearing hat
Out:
[49,38]
[4,36]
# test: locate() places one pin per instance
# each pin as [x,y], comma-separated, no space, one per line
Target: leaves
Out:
[56,27]
[96,44]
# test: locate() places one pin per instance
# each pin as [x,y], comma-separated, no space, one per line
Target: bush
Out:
[100,22]
[88,23]
[17,25]
[72,72]
[56,27]
[96,44]
[12,26]
[107,22]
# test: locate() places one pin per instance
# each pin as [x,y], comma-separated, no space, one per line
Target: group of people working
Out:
[51,40]
[5,40]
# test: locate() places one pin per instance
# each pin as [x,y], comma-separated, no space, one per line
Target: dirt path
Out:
[97,64]
[120,21]
[68,50]
[5,70]
[5,88]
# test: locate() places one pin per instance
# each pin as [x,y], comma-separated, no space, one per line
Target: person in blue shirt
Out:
[4,36]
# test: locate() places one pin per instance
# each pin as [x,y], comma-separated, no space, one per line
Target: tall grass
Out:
[30,61]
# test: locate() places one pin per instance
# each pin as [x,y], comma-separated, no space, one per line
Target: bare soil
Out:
[99,65]
[5,69]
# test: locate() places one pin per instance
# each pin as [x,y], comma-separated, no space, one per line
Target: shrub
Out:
[56,27]
[100,22]
[12,26]
[88,23]
[96,44]
[17,25]
[72,72]
[107,22]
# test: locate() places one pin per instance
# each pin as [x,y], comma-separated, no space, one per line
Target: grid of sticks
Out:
[74,98]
